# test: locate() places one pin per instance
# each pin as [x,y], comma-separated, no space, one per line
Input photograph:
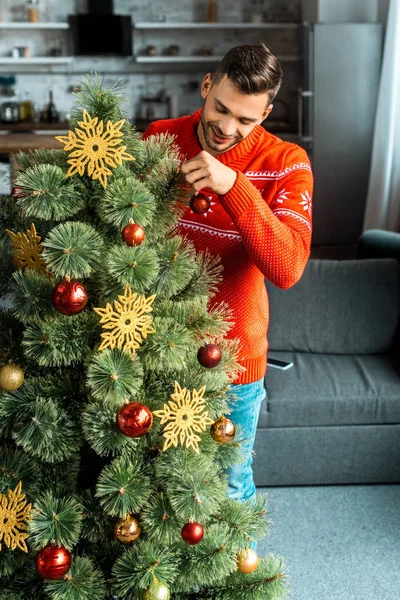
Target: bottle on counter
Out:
[25,108]
[32,11]
[212,11]
[51,114]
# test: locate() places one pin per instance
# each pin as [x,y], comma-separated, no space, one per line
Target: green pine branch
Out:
[210,562]
[101,431]
[82,582]
[159,520]
[60,477]
[38,422]
[48,194]
[29,295]
[246,520]
[16,466]
[206,278]
[11,332]
[98,99]
[41,156]
[55,520]
[137,266]
[10,562]
[73,249]
[177,265]
[193,483]
[154,151]
[11,216]
[114,375]
[97,526]
[60,340]
[124,486]
[136,569]
[124,199]
[169,348]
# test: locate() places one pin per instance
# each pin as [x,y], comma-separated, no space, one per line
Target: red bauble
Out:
[69,297]
[209,356]
[18,192]
[134,419]
[200,204]
[192,533]
[133,234]
[53,562]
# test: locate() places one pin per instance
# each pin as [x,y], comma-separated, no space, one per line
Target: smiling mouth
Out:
[219,138]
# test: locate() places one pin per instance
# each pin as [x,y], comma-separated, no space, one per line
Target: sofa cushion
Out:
[328,389]
[337,307]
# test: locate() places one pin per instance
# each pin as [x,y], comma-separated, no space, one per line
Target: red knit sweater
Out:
[260,228]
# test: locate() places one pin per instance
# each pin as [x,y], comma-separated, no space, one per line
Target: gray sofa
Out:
[334,417]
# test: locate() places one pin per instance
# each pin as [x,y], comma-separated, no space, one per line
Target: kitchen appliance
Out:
[100,32]
[337,105]
[9,112]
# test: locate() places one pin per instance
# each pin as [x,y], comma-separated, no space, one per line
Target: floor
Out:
[339,542]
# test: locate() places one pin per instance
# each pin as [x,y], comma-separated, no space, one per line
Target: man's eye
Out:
[221,110]
[244,122]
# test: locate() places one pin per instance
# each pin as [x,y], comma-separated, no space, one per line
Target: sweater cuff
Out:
[240,198]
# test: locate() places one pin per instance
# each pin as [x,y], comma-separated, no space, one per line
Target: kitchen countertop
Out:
[15,142]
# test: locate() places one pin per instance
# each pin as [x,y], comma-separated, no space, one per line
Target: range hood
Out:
[99,32]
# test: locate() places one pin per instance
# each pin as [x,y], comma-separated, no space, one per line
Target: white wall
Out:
[352,11]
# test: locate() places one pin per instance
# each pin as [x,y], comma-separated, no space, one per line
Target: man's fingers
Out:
[192,165]
[199,185]
[197,175]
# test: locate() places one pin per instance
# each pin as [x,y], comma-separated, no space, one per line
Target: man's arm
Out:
[277,236]
[151,130]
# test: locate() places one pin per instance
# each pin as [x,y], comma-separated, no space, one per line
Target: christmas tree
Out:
[115,381]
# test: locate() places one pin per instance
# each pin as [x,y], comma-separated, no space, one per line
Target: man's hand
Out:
[205,171]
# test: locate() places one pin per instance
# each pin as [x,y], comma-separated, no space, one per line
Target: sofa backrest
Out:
[337,307]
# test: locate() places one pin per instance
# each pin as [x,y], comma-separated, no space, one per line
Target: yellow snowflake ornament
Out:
[185,416]
[126,323]
[28,247]
[15,513]
[95,148]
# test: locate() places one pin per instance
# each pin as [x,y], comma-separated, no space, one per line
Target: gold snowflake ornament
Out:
[126,323]
[15,513]
[28,247]
[95,148]
[185,416]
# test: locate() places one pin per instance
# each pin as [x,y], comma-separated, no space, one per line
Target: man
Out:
[259,222]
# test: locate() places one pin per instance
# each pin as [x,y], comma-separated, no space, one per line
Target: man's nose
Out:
[228,127]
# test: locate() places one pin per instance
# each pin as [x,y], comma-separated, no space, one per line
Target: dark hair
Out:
[252,68]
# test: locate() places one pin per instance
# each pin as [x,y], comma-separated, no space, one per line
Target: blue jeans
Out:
[245,413]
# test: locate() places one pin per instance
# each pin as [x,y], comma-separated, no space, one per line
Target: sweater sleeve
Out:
[276,231]
[151,130]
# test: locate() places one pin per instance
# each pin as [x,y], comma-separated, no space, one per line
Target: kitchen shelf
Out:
[37,60]
[199,25]
[26,25]
[198,59]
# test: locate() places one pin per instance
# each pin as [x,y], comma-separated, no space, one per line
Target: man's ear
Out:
[206,85]
[267,111]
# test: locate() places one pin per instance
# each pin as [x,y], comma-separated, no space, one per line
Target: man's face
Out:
[228,115]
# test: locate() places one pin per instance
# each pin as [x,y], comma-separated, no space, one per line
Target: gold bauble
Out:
[157,591]
[127,530]
[247,560]
[11,377]
[223,430]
